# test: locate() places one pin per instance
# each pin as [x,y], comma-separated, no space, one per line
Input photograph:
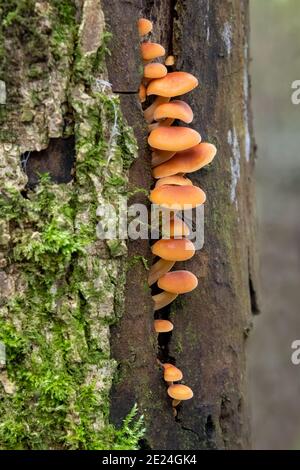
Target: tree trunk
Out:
[210,40]
[61,287]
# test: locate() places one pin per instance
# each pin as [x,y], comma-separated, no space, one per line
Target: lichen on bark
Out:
[60,286]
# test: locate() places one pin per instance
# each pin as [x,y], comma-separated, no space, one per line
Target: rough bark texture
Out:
[60,287]
[57,302]
[210,40]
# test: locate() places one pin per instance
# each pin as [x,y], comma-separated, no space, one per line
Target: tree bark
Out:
[58,114]
[210,40]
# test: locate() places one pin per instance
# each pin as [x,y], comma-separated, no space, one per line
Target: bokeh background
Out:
[274,380]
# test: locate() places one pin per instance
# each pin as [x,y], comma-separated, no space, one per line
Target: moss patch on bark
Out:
[60,286]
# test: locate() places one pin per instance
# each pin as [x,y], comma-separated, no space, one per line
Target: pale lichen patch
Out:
[232,140]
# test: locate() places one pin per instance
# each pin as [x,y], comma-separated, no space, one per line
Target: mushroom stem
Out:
[163,299]
[142,93]
[161,156]
[164,122]
[175,403]
[148,113]
[158,269]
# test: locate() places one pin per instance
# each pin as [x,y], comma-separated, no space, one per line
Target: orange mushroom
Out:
[158,269]
[155,71]
[172,373]
[179,392]
[163,326]
[187,161]
[178,282]
[174,249]
[173,138]
[170,60]
[163,299]
[152,50]
[144,26]
[176,109]
[174,179]
[177,197]
[173,84]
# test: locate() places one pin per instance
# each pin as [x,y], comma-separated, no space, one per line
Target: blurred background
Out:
[274,380]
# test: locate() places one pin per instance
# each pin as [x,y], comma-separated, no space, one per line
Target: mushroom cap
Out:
[170,60]
[173,84]
[177,197]
[174,249]
[152,50]
[142,93]
[163,326]
[172,373]
[178,282]
[163,299]
[173,138]
[187,161]
[144,26]
[176,109]
[174,179]
[160,156]
[180,392]
[155,70]
[176,228]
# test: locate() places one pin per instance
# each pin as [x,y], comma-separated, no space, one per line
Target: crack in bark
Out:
[173,16]
[254,298]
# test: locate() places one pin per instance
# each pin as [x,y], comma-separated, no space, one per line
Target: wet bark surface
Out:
[210,40]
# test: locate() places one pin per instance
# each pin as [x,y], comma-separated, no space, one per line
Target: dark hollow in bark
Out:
[57,160]
[210,40]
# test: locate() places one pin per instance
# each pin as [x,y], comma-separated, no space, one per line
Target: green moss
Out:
[55,322]
[86,67]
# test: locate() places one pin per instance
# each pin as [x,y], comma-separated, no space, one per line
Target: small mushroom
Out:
[160,156]
[177,197]
[155,71]
[178,282]
[179,392]
[187,161]
[173,84]
[170,60]
[163,326]
[163,299]
[144,26]
[171,373]
[142,93]
[152,50]
[174,249]
[158,269]
[173,138]
[176,109]
[148,113]
[174,179]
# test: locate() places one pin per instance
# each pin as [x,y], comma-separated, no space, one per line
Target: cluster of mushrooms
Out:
[175,152]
